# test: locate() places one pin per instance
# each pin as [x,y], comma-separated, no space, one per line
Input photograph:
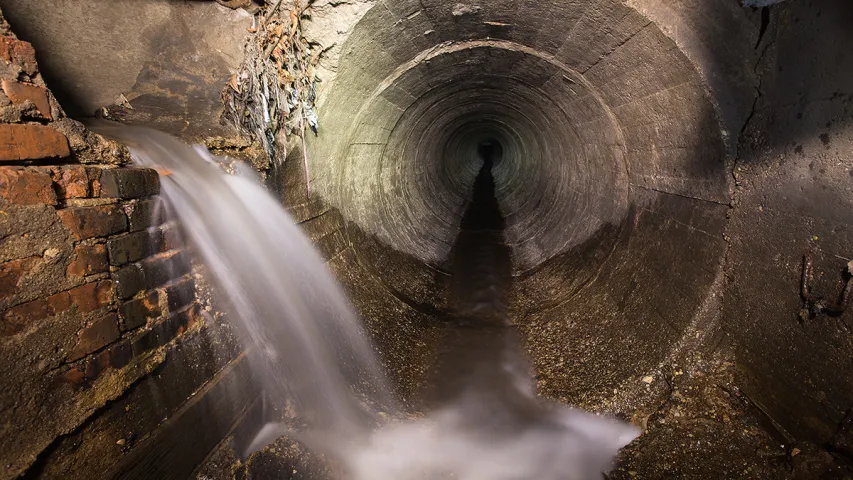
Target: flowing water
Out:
[308,348]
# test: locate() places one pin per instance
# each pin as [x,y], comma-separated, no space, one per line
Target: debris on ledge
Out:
[274,92]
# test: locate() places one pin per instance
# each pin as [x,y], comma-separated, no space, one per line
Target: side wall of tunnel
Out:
[106,353]
[794,199]
[699,141]
[784,95]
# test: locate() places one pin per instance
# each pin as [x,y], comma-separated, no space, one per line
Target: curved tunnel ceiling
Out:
[590,105]
[613,179]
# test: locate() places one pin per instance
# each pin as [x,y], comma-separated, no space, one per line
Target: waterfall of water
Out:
[306,345]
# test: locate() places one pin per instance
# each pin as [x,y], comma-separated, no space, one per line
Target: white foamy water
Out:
[307,346]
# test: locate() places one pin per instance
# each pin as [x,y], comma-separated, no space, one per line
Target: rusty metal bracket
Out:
[814,304]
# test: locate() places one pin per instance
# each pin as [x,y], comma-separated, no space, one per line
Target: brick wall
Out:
[96,292]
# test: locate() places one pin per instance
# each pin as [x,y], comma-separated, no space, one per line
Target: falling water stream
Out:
[307,347]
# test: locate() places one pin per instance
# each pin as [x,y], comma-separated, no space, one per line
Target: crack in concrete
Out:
[683,195]
[324,212]
[765,22]
[758,93]
[725,261]
[580,19]
[616,47]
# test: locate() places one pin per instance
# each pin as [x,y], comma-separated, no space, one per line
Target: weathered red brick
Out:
[72,181]
[134,246]
[12,271]
[75,375]
[26,186]
[20,316]
[88,222]
[82,375]
[95,181]
[145,213]
[90,296]
[19,93]
[30,311]
[166,330]
[138,312]
[17,318]
[31,142]
[102,360]
[99,334]
[86,372]
[88,259]
[91,370]
[195,315]
[129,183]
[116,356]
[172,238]
[86,298]
[76,181]
[59,303]
[120,354]
[180,293]
[151,273]
[20,53]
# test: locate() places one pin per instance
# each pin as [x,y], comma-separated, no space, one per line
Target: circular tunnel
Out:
[612,178]
[674,181]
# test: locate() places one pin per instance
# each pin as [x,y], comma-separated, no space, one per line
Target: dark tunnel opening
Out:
[599,164]
[476,336]
[483,212]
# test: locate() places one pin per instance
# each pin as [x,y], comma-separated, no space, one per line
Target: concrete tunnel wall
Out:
[629,155]
[665,167]
[613,155]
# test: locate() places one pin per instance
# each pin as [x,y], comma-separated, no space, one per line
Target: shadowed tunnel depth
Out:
[611,156]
